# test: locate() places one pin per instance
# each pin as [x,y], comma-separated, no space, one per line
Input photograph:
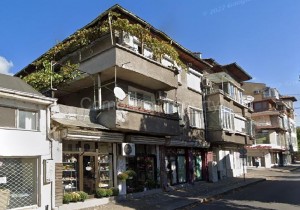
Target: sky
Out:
[263,37]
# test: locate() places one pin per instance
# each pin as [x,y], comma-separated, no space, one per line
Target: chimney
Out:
[198,54]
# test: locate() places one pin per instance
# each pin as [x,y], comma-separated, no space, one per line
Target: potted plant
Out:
[131,173]
[122,176]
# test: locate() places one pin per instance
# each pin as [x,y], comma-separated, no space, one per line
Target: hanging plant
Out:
[41,80]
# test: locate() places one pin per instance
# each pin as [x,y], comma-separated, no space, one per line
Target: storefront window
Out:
[19,176]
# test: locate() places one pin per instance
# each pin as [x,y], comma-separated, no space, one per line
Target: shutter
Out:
[58,184]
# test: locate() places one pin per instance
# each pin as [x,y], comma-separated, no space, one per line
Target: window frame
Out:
[17,118]
[200,121]
[196,75]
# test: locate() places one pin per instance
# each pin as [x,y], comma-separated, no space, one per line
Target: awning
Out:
[89,135]
[139,139]
[79,123]
[193,143]
[80,130]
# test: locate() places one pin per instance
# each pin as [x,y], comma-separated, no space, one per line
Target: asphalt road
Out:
[280,191]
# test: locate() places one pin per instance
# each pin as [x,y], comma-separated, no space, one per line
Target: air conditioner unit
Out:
[207,83]
[256,91]
[161,95]
[127,39]
[128,149]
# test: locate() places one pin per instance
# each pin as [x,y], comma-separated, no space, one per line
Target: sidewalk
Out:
[183,195]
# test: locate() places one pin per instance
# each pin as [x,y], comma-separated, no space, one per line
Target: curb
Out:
[221,193]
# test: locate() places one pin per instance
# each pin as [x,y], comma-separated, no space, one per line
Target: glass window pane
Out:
[27,120]
[7,117]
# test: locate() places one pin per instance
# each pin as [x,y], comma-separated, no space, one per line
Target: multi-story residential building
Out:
[26,158]
[137,105]
[275,126]
[228,122]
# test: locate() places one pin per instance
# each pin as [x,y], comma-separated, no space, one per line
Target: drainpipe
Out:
[50,139]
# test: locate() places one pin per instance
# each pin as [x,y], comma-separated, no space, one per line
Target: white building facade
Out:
[26,169]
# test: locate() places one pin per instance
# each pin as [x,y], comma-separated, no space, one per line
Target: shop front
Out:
[145,163]
[87,166]
[184,165]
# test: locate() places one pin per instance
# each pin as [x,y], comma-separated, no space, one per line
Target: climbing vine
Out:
[41,78]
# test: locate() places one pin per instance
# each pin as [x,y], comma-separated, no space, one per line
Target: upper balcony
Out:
[123,63]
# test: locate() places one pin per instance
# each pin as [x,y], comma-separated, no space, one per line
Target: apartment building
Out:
[26,156]
[228,117]
[137,104]
[274,117]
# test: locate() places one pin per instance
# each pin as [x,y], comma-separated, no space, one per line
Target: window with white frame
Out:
[139,98]
[227,118]
[171,107]
[240,124]
[194,80]
[17,118]
[196,117]
[148,53]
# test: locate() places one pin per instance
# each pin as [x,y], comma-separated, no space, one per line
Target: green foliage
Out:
[109,192]
[83,195]
[122,176]
[298,137]
[115,191]
[75,196]
[40,79]
[100,192]
[67,198]
[130,173]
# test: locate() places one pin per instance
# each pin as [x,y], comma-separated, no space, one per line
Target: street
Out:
[280,191]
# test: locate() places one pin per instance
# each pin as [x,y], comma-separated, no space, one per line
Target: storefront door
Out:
[89,174]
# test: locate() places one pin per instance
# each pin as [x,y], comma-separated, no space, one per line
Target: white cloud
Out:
[5,66]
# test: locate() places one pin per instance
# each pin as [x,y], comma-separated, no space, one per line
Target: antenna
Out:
[119,93]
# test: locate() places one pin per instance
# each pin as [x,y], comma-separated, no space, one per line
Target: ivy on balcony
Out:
[41,78]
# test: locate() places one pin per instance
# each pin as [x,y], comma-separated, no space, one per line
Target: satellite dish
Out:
[119,93]
[248,99]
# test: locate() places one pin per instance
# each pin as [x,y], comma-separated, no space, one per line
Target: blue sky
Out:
[263,37]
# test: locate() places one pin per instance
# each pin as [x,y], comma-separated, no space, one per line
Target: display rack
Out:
[104,162]
[69,176]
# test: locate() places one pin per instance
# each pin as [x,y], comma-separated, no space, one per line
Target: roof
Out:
[234,69]
[136,18]
[292,98]
[16,84]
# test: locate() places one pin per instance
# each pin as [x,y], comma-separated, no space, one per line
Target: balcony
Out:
[132,67]
[139,116]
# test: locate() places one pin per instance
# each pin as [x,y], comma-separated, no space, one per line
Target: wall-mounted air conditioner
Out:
[128,149]
[206,83]
[127,39]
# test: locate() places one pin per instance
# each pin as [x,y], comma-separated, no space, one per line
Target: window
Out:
[196,118]
[271,93]
[27,120]
[240,124]
[227,118]
[141,98]
[171,107]
[194,80]
[7,117]
[15,118]
[21,180]
[148,53]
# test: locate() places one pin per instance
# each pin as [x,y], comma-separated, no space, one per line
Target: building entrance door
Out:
[89,174]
